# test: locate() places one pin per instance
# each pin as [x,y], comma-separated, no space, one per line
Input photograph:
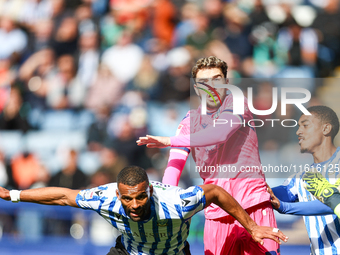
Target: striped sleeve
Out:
[94,198]
[192,201]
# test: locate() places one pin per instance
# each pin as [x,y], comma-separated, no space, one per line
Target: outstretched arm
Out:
[46,196]
[310,208]
[217,195]
[216,134]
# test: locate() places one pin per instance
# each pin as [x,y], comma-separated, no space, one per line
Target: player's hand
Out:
[273,199]
[259,233]
[4,194]
[154,141]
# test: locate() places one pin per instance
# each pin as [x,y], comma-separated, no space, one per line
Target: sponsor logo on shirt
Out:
[162,223]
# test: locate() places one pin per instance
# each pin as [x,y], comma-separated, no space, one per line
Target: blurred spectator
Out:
[163,119]
[110,31]
[70,176]
[58,12]
[64,89]
[88,57]
[14,116]
[100,178]
[99,7]
[300,43]
[98,133]
[132,109]
[237,31]
[186,25]
[268,56]
[7,75]
[4,96]
[105,90]
[214,11]
[258,15]
[40,36]
[124,59]
[86,21]
[146,80]
[112,163]
[72,4]
[126,142]
[33,11]
[163,20]
[327,23]
[65,40]
[13,40]
[202,35]
[35,72]
[218,48]
[3,171]
[175,82]
[157,51]
[26,170]
[132,14]
[39,64]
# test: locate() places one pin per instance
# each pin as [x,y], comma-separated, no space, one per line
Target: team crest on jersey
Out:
[162,223]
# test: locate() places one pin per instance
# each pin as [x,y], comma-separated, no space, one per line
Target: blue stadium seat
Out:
[11,142]
[49,140]
[58,120]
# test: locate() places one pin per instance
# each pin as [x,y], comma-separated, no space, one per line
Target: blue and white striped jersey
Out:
[167,229]
[323,231]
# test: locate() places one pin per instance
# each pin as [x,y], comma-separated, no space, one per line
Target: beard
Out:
[303,150]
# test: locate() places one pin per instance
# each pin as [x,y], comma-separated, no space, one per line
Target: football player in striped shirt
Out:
[316,134]
[152,218]
[232,147]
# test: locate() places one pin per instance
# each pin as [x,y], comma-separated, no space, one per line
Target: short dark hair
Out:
[326,115]
[210,62]
[132,176]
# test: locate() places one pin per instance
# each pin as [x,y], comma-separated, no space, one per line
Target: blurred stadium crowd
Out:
[80,80]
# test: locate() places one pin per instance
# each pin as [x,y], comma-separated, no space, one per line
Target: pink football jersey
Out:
[233,164]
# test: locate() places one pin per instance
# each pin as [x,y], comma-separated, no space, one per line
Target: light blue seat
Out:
[11,142]
[58,120]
